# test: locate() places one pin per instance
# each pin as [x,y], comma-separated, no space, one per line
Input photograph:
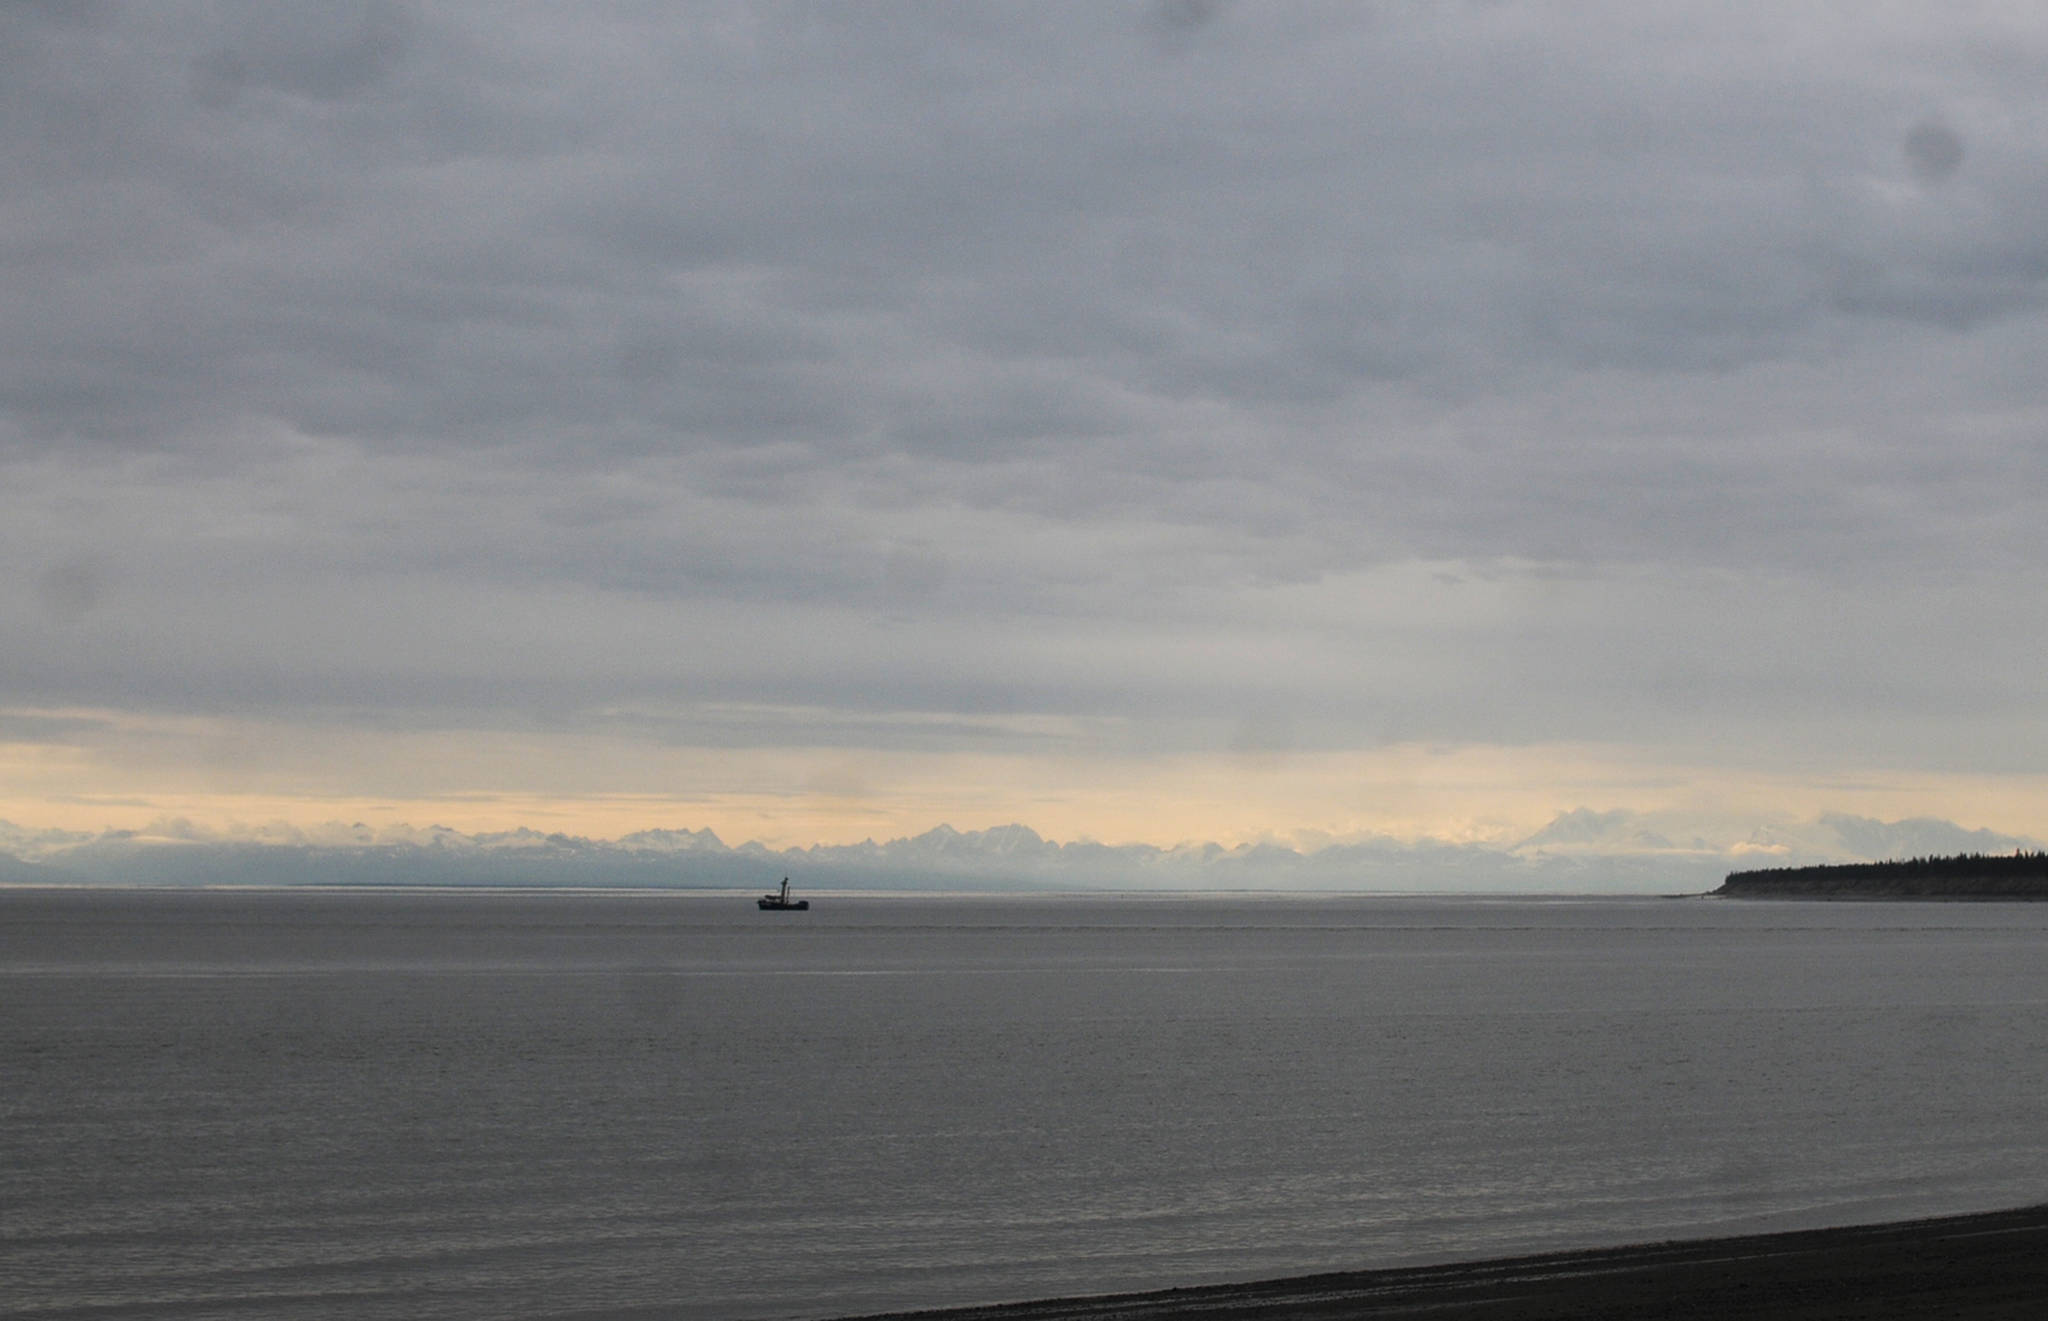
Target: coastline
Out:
[1976,1267]
[2015,876]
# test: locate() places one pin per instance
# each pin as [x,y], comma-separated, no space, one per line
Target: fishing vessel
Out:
[780,900]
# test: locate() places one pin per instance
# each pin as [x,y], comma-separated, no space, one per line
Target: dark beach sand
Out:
[1960,1268]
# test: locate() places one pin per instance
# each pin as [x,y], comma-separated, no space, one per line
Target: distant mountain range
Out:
[1581,851]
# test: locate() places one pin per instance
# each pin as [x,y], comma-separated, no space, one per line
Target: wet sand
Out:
[1960,1268]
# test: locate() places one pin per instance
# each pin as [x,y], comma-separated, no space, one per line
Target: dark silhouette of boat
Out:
[781,902]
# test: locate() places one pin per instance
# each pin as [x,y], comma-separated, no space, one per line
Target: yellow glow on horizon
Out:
[240,778]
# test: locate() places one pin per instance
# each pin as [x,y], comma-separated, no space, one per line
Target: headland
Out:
[2022,875]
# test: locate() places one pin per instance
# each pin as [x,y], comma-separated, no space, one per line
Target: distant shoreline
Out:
[1963,1268]
[2022,875]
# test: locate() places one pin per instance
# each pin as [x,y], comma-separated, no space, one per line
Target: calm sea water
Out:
[323,1105]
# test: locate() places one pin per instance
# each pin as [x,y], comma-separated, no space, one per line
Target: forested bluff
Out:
[2021,875]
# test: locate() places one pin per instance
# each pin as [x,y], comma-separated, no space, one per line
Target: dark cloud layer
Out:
[1488,372]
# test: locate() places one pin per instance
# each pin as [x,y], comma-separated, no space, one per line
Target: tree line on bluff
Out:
[2021,875]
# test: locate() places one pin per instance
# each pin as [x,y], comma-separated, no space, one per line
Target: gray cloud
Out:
[333,53]
[692,261]
[1081,360]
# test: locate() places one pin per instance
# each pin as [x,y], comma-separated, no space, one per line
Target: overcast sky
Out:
[1149,421]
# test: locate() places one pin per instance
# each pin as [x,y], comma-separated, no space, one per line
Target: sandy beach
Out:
[1959,1268]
